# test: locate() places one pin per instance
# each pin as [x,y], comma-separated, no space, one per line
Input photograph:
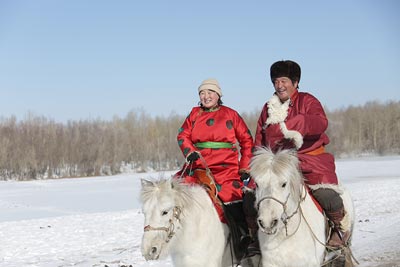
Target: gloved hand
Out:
[244,176]
[192,157]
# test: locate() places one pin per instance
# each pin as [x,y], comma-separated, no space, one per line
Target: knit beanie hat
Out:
[211,84]
[286,68]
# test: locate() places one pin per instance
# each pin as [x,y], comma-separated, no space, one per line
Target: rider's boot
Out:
[332,203]
[254,246]
[250,212]
[339,234]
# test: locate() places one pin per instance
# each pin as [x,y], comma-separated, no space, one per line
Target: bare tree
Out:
[38,148]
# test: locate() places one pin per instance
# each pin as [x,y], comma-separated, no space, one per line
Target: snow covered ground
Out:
[97,221]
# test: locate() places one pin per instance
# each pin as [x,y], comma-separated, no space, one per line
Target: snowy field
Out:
[97,221]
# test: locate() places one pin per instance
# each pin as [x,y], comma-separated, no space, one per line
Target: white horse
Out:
[292,229]
[181,221]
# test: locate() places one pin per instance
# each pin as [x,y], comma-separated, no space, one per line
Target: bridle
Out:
[285,217]
[177,211]
[170,229]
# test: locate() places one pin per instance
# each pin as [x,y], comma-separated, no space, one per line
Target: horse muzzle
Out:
[153,247]
[269,229]
[151,253]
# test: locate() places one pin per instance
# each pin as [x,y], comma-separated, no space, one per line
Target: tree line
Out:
[38,147]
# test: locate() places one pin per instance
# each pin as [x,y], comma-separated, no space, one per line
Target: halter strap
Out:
[170,228]
[284,217]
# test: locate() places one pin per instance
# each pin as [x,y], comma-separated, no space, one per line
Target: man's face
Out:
[284,88]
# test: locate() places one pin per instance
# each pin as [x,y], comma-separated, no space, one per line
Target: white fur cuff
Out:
[277,111]
[336,187]
[290,134]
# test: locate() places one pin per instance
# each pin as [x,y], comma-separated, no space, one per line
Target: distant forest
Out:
[40,148]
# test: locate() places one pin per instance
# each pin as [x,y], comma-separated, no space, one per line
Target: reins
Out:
[209,184]
[329,248]
[210,175]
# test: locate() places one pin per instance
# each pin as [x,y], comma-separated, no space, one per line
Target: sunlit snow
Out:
[97,221]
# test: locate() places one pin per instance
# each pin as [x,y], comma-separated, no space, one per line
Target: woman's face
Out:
[284,88]
[208,98]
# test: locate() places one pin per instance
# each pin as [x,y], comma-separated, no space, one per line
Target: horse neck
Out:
[197,206]
[309,207]
[199,221]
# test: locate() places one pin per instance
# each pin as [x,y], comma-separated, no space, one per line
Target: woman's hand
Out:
[192,157]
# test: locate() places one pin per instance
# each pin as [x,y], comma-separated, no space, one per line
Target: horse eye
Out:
[165,212]
[284,185]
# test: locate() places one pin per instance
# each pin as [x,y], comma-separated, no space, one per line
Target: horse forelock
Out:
[261,163]
[162,187]
[149,190]
[266,165]
[183,195]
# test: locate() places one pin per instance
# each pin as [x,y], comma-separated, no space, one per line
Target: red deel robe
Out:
[306,116]
[222,125]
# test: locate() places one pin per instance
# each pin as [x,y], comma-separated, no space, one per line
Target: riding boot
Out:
[339,237]
[238,228]
[250,212]
[254,246]
[332,204]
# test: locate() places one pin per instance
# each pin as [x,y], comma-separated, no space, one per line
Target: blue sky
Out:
[76,59]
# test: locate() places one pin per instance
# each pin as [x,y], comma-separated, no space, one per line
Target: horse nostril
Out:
[153,250]
[274,223]
[260,223]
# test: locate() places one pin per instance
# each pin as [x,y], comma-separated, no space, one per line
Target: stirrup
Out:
[251,252]
[252,249]
[340,239]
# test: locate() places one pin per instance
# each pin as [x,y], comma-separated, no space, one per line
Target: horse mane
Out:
[283,163]
[183,194]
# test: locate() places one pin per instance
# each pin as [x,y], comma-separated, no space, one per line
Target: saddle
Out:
[205,179]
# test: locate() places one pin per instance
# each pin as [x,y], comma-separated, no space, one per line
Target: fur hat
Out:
[211,84]
[285,68]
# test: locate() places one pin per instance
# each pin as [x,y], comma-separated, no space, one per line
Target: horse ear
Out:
[146,183]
